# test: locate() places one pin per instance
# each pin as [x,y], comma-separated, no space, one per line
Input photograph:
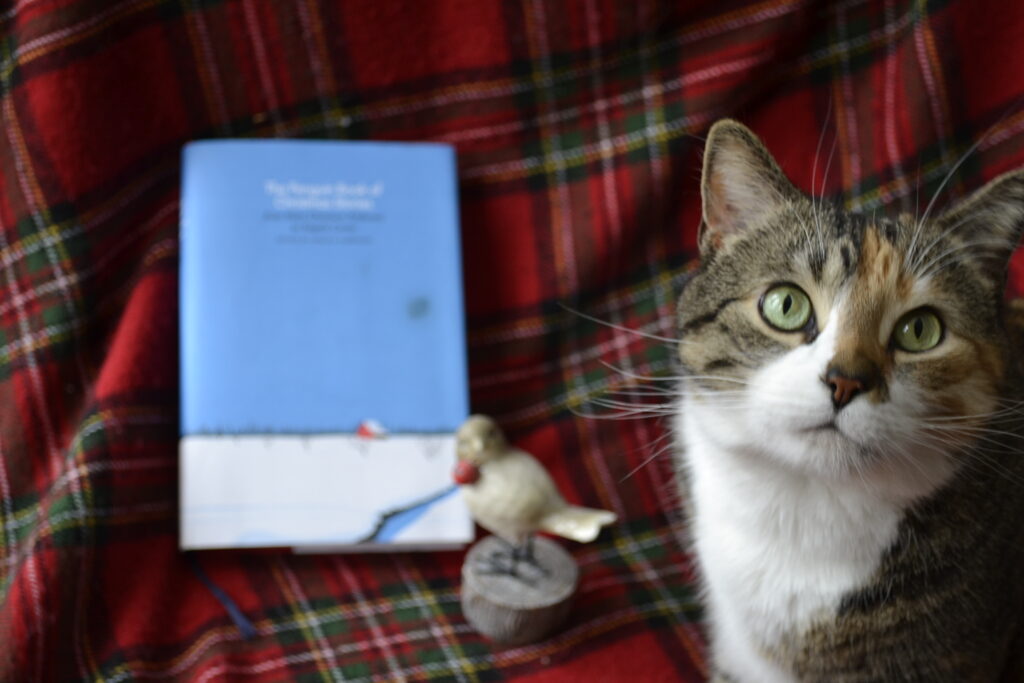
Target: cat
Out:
[850,428]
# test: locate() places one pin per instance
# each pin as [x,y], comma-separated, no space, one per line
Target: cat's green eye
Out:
[918,331]
[786,307]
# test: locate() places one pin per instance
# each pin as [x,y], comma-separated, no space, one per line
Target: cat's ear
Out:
[988,224]
[740,183]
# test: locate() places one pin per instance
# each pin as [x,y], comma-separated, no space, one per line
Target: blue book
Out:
[323,362]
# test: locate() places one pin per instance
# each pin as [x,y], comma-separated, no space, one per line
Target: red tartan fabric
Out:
[578,125]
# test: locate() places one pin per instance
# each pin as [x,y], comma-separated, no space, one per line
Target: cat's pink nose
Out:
[843,388]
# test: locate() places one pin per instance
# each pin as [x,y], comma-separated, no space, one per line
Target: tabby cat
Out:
[851,431]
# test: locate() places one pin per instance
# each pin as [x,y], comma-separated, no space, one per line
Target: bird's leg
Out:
[515,560]
[528,550]
[504,562]
[525,553]
[521,553]
[496,563]
[499,564]
[508,553]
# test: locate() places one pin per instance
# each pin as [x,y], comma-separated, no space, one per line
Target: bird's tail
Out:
[578,523]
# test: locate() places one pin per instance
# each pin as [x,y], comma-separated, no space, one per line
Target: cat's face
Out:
[848,346]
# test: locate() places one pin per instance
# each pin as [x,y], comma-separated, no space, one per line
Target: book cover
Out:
[323,363]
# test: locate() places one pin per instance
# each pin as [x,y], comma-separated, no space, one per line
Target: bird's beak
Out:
[465,473]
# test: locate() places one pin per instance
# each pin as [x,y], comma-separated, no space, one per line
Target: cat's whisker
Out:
[641,399]
[743,388]
[986,433]
[632,415]
[743,398]
[762,395]
[967,454]
[608,402]
[995,467]
[642,378]
[625,409]
[1000,415]
[1009,404]
[969,457]
[607,416]
[914,260]
[914,460]
[648,460]
[996,244]
[1010,414]
[719,378]
[818,210]
[666,434]
[609,398]
[638,398]
[935,196]
[621,328]
[645,390]
[792,411]
[815,209]
[899,426]
[966,155]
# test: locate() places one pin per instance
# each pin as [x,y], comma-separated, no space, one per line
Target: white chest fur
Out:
[777,548]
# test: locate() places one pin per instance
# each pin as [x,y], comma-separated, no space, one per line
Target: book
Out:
[323,361]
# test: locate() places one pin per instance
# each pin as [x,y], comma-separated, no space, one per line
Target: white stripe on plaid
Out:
[380,639]
[847,109]
[470,92]
[442,636]
[628,296]
[595,554]
[206,61]
[323,651]
[29,47]
[889,105]
[168,212]
[664,299]
[38,395]
[508,656]
[1002,131]
[561,204]
[316,66]
[588,354]
[56,488]
[596,453]
[603,104]
[562,159]
[262,66]
[935,103]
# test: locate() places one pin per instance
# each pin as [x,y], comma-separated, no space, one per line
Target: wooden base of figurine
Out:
[522,608]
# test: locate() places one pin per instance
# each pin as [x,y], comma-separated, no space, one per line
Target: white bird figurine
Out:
[511,495]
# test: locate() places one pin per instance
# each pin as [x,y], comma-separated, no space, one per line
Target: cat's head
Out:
[842,344]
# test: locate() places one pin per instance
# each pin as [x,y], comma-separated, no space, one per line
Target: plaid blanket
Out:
[578,125]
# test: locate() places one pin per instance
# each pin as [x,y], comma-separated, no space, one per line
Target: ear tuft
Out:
[739,184]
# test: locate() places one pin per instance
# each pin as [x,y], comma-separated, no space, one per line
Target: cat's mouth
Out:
[829,426]
[830,429]
[830,434]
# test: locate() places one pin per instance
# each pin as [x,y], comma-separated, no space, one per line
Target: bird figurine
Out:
[509,493]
